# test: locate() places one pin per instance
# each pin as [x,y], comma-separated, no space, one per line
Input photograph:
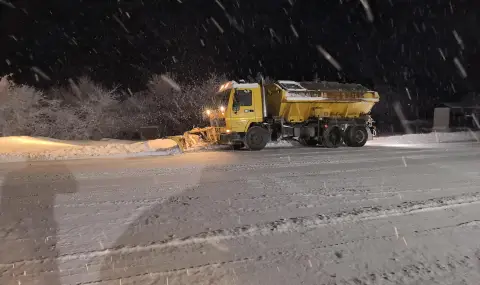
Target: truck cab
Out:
[237,106]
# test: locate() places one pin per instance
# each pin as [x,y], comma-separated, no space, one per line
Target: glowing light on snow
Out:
[400,145]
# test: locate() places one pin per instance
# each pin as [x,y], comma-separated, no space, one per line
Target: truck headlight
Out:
[208,112]
[222,108]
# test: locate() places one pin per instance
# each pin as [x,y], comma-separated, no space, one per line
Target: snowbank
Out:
[430,138]
[282,144]
[37,148]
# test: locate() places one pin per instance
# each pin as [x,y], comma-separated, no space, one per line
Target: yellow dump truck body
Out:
[328,113]
[297,102]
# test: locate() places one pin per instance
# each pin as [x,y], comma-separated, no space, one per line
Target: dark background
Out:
[125,42]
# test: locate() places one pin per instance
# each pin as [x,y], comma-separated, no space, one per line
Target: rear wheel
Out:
[357,136]
[257,138]
[237,146]
[332,137]
[346,136]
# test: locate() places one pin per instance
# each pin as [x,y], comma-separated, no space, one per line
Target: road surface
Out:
[372,215]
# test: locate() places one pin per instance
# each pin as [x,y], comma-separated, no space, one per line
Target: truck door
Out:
[243,110]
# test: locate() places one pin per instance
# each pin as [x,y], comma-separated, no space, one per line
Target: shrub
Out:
[86,110]
[175,109]
[20,106]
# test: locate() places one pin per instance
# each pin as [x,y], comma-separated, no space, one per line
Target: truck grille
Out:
[218,122]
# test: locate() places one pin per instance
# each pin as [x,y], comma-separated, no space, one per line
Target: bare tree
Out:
[86,110]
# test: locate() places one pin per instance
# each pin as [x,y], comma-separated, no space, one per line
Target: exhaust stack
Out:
[264,100]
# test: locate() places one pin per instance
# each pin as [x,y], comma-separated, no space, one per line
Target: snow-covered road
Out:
[373,215]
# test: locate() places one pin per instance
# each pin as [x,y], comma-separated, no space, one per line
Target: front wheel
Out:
[257,138]
[237,146]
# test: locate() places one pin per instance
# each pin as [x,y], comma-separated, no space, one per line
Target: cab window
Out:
[243,97]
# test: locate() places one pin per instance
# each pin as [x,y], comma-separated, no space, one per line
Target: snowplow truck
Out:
[314,113]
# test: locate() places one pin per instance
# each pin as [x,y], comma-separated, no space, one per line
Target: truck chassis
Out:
[329,132]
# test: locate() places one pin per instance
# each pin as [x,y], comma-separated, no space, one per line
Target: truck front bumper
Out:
[230,138]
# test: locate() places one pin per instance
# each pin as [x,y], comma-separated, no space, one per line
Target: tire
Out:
[346,136]
[358,136]
[257,138]
[307,142]
[332,137]
[237,146]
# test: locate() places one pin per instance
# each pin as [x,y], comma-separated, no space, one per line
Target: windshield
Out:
[221,98]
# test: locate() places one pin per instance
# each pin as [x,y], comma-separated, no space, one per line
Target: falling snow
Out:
[329,58]
[460,67]
[220,29]
[284,216]
[170,82]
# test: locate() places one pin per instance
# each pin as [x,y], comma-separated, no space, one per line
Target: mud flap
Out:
[370,135]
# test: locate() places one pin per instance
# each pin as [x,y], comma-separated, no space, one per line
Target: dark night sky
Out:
[125,42]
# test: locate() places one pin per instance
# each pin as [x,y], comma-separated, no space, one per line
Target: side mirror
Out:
[235,106]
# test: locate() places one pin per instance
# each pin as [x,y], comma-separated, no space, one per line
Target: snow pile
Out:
[430,138]
[282,144]
[37,148]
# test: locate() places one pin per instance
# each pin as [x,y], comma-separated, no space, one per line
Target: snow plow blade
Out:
[197,137]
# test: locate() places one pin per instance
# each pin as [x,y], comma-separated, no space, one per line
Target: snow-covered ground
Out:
[23,148]
[34,148]
[427,139]
[372,215]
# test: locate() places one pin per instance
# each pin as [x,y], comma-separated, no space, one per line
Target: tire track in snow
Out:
[345,202]
[270,254]
[248,165]
[246,180]
[267,256]
[213,183]
[296,224]
[184,270]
